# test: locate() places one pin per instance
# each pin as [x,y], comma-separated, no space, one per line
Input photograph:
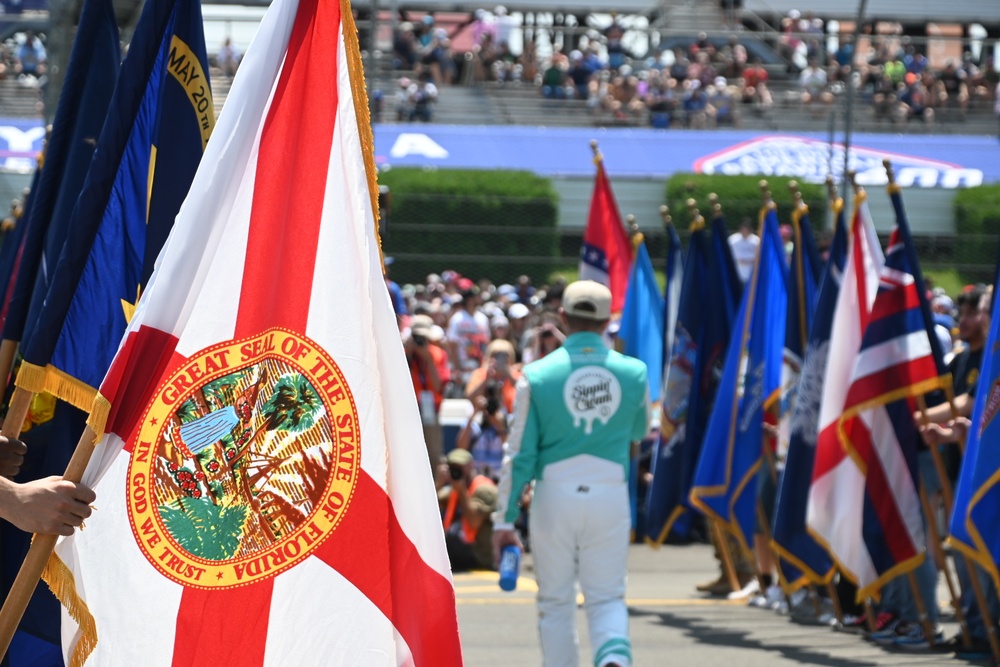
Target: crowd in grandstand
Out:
[704,84]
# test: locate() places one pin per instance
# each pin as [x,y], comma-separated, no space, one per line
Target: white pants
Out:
[581,531]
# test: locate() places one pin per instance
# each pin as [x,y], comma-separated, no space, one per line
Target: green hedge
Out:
[495,224]
[740,197]
[977,210]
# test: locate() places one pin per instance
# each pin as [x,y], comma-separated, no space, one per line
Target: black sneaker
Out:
[978,649]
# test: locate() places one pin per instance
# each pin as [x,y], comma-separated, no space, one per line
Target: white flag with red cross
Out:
[263,488]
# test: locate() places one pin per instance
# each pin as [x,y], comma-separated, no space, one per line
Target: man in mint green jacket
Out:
[576,415]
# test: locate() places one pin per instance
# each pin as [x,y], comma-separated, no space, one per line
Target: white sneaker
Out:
[747,592]
[776,597]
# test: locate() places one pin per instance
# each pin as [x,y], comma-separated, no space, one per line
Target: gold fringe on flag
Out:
[100,410]
[356,69]
[31,378]
[63,585]
[62,385]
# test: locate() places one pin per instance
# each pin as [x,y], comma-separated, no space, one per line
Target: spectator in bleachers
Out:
[422,96]
[679,68]
[31,56]
[614,44]
[228,58]
[755,89]
[554,78]
[402,99]
[579,74]
[622,99]
[695,102]
[915,61]
[404,47]
[915,101]
[952,90]
[813,83]
[722,101]
[661,100]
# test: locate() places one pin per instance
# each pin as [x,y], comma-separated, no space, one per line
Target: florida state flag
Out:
[264,496]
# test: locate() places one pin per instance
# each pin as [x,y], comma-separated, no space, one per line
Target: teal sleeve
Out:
[522,448]
[643,413]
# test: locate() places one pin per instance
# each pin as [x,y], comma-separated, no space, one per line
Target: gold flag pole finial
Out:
[665,215]
[597,151]
[765,193]
[799,207]
[893,186]
[714,205]
[859,192]
[697,222]
[836,202]
[633,231]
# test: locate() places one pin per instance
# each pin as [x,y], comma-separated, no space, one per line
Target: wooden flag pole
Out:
[940,556]
[8,348]
[20,405]
[41,549]
[925,621]
[838,611]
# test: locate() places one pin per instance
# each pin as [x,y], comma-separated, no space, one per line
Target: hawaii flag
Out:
[263,488]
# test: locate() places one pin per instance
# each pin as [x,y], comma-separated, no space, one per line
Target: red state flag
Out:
[606,255]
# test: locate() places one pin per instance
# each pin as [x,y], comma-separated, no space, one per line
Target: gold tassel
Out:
[66,387]
[100,410]
[31,377]
[358,92]
[62,584]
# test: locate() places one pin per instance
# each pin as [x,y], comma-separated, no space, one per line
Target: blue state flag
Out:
[83,104]
[975,518]
[671,296]
[725,484]
[12,244]
[157,127]
[800,558]
[91,74]
[666,499]
[642,319]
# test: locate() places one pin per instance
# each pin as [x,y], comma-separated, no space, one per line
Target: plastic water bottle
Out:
[510,567]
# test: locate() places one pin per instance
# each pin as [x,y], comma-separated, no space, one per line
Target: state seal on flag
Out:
[245,461]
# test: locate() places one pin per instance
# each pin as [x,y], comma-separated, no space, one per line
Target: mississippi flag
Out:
[606,255]
[264,491]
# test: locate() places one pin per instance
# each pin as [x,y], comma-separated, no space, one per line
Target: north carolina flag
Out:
[606,255]
[835,509]
[264,492]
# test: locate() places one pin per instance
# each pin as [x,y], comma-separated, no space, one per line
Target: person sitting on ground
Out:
[467,501]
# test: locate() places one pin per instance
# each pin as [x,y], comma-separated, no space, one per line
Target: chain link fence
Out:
[432,239]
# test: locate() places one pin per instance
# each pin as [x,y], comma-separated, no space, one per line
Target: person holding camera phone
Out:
[485,433]
[498,373]
[467,500]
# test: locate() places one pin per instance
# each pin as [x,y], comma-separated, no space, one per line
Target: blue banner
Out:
[642,320]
